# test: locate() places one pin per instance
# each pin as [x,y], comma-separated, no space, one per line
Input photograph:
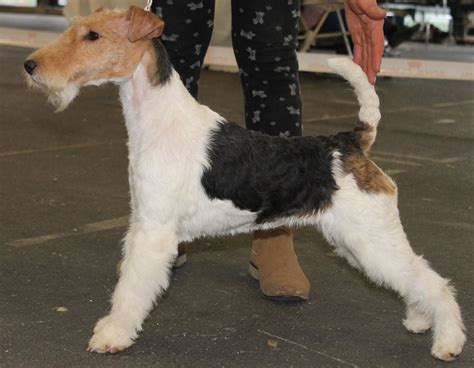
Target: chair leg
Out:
[344,32]
[311,35]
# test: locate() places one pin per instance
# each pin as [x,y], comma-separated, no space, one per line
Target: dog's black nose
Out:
[30,66]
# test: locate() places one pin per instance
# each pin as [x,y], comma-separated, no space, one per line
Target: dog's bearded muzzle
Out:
[60,92]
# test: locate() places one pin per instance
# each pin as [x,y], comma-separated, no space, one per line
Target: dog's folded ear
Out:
[143,24]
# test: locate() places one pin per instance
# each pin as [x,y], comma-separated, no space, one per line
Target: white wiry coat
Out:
[169,135]
[178,155]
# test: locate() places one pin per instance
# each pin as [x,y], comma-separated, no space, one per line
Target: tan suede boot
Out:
[274,263]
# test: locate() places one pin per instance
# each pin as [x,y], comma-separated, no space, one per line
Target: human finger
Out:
[372,10]
[364,47]
[368,61]
[353,6]
[371,76]
[378,45]
[356,31]
[357,55]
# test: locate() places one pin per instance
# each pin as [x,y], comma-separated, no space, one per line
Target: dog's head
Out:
[106,46]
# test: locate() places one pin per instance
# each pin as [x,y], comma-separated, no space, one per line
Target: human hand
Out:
[365,22]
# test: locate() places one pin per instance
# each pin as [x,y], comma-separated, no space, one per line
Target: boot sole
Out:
[180,260]
[253,271]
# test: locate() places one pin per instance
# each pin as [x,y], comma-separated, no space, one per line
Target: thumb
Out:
[372,10]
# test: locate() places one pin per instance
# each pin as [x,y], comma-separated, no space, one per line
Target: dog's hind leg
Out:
[148,255]
[417,321]
[366,226]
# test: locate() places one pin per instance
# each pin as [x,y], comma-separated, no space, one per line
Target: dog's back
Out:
[293,178]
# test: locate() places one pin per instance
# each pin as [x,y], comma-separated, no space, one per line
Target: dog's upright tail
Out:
[369,113]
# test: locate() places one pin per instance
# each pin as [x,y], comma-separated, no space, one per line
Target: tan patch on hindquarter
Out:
[368,175]
[365,135]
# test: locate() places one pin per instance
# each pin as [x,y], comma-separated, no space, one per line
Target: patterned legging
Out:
[264,37]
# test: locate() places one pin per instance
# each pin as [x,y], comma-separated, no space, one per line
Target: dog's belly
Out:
[213,217]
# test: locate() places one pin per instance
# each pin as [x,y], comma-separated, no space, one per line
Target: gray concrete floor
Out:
[60,172]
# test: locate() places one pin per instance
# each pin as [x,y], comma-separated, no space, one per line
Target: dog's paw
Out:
[110,338]
[418,323]
[100,324]
[448,346]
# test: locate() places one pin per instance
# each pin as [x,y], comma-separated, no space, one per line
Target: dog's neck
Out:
[146,102]
[160,111]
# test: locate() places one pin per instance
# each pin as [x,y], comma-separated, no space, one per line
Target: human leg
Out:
[264,39]
[186,37]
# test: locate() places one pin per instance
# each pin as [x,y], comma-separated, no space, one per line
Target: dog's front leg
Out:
[148,255]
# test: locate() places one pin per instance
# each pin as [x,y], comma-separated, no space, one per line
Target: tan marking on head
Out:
[76,59]
[368,175]
[143,24]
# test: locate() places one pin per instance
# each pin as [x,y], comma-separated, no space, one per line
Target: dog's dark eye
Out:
[92,36]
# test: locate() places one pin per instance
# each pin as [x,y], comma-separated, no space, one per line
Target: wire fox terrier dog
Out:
[194,174]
